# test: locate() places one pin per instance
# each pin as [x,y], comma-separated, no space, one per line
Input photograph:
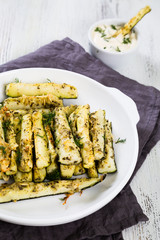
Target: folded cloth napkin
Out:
[123,211]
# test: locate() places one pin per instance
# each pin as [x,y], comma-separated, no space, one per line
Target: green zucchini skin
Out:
[18,191]
[60,90]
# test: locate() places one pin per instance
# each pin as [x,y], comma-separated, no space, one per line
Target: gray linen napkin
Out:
[123,211]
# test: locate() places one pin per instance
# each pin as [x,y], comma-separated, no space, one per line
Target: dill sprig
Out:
[120,141]
[3,149]
[47,118]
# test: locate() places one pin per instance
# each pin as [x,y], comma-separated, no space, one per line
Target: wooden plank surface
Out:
[26,25]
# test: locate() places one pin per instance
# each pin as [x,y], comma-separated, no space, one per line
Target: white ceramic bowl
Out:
[112,59]
[120,109]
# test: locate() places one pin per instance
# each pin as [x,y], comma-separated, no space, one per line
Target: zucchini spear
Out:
[79,169]
[67,149]
[26,160]
[23,177]
[18,191]
[39,174]
[107,164]
[11,140]
[132,22]
[92,172]
[40,141]
[79,121]
[67,171]
[52,169]
[97,121]
[4,163]
[32,102]
[60,90]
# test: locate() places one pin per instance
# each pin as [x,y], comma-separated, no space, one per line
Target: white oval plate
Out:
[120,110]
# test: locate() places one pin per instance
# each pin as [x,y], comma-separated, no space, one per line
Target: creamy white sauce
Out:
[102,37]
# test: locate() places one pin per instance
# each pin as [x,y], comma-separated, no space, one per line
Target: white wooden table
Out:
[26,25]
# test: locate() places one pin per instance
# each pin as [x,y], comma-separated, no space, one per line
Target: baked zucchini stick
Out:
[11,139]
[39,174]
[23,177]
[80,124]
[17,113]
[92,172]
[22,112]
[107,164]
[67,171]
[52,169]
[60,90]
[79,169]
[69,109]
[18,191]
[132,22]
[40,141]
[26,160]
[66,148]
[97,122]
[32,102]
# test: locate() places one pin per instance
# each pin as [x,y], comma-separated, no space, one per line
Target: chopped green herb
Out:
[57,142]
[47,118]
[118,50]
[3,149]
[70,122]
[103,35]
[126,40]
[6,125]
[20,121]
[120,141]
[104,48]
[113,27]
[16,80]
[48,80]
[77,141]
[39,135]
[99,29]
[18,132]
